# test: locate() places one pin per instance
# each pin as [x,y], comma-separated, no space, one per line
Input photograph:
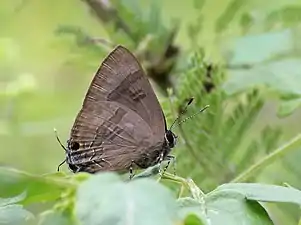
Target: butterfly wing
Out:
[121,118]
[121,79]
[109,137]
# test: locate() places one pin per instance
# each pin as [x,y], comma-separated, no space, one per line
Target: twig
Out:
[105,13]
[251,171]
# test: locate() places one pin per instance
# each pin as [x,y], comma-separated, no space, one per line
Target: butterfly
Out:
[121,123]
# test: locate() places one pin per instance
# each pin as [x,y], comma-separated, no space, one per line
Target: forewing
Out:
[121,79]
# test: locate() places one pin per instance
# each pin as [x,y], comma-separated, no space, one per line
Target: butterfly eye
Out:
[170,138]
[74,145]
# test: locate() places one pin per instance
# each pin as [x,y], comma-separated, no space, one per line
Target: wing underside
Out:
[112,139]
[121,119]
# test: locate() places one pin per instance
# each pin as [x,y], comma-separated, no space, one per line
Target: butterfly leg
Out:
[62,163]
[131,170]
[97,163]
[170,159]
[160,162]
[93,155]
[101,160]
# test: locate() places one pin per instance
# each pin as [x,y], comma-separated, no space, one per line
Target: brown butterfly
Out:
[121,123]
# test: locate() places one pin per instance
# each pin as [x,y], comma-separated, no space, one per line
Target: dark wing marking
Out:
[121,119]
[121,79]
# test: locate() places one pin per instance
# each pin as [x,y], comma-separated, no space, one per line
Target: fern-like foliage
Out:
[218,144]
[225,140]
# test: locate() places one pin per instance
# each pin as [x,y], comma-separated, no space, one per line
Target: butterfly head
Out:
[170,139]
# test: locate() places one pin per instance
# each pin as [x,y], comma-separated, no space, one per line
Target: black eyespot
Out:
[74,145]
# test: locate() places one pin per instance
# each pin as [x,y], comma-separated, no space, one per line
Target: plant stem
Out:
[189,184]
[282,150]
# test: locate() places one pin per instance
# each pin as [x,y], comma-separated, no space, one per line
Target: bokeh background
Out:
[47,63]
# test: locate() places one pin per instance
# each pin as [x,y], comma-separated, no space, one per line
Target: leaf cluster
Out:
[107,198]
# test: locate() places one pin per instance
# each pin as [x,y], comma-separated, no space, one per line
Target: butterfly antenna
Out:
[182,112]
[193,115]
[58,139]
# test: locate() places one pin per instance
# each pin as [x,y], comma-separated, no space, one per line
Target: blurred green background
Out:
[44,76]
[44,73]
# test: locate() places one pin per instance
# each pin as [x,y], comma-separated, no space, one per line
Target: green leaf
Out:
[190,206]
[264,192]
[287,107]
[288,15]
[12,200]
[105,199]
[228,15]
[283,76]
[229,207]
[11,213]
[193,220]
[52,217]
[225,207]
[14,214]
[38,188]
[150,171]
[255,49]
[141,21]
